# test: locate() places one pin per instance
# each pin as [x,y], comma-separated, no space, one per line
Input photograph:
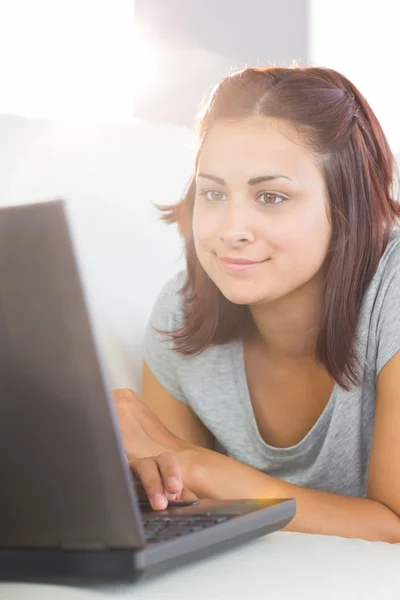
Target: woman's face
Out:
[261,215]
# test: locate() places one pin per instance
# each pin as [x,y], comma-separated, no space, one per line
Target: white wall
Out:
[360,38]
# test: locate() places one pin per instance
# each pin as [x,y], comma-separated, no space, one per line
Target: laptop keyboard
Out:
[162,528]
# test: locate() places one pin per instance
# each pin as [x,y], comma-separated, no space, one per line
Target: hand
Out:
[161,480]
[143,433]
[155,454]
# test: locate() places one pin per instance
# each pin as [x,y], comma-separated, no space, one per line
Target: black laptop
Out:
[69,509]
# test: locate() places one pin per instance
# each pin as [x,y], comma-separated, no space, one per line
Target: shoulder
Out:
[390,260]
[167,312]
[388,271]
[174,285]
[379,324]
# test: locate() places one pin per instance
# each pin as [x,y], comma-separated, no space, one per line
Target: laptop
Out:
[69,505]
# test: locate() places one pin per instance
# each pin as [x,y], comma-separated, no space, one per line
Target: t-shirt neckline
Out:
[317,430]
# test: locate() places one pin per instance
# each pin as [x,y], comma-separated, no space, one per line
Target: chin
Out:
[240,295]
[243,289]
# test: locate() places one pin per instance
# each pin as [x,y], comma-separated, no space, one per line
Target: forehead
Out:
[255,147]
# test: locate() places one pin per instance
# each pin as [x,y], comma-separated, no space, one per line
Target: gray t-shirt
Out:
[334,455]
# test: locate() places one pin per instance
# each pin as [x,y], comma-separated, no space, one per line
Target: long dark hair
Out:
[337,124]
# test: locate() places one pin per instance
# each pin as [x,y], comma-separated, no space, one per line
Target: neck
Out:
[288,328]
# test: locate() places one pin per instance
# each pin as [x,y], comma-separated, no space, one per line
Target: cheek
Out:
[203,229]
[303,239]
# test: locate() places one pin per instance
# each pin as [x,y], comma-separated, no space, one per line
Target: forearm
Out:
[216,476]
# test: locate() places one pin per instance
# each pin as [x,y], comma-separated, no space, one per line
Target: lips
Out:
[239,261]
[238,265]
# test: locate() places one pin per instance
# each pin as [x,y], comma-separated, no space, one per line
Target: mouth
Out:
[240,264]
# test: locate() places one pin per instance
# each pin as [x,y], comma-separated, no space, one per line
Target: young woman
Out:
[272,364]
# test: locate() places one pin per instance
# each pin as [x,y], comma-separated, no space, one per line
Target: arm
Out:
[176,416]
[155,429]
[317,512]
[374,518]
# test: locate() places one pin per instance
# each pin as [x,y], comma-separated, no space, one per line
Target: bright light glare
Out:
[145,62]
[70,59]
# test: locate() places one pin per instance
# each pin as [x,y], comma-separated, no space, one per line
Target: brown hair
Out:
[337,123]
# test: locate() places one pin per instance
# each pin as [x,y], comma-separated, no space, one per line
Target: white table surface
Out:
[278,566]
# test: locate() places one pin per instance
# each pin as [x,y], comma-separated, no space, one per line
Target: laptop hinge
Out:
[89,545]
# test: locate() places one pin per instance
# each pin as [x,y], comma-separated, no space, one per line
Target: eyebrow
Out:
[252,181]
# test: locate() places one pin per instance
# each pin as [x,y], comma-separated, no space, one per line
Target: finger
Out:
[187,496]
[170,470]
[121,396]
[146,469]
[125,400]
[140,491]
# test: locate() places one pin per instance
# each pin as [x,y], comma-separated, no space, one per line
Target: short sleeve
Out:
[158,351]
[388,331]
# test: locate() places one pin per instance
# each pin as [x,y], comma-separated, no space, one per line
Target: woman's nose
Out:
[235,228]
[236,238]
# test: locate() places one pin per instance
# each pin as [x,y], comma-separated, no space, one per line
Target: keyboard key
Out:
[160,528]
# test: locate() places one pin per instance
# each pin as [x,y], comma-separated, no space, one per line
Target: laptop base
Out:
[86,566]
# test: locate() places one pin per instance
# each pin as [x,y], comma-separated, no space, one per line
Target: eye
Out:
[213,195]
[269,199]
